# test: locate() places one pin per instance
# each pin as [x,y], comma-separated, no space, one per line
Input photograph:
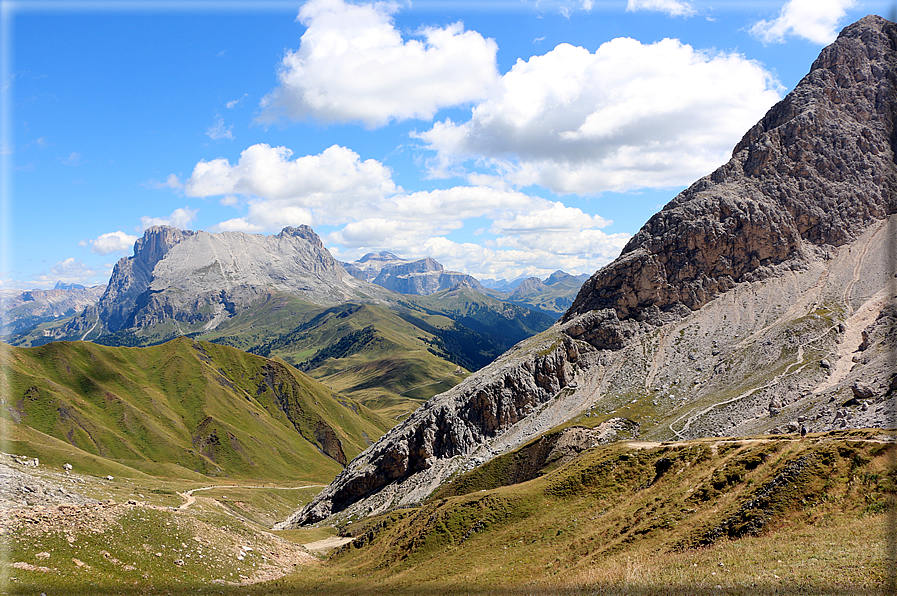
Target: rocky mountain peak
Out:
[556,277]
[813,173]
[131,276]
[529,286]
[464,284]
[60,285]
[155,244]
[196,280]
[304,232]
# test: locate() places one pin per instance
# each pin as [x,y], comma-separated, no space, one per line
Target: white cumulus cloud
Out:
[353,65]
[674,8]
[368,212]
[179,218]
[814,20]
[533,236]
[280,190]
[111,242]
[555,217]
[628,115]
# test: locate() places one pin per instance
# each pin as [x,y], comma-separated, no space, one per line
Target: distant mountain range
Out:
[285,295]
[427,276]
[555,294]
[420,277]
[27,311]
[180,282]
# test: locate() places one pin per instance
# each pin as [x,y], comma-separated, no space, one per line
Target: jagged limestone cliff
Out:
[183,281]
[740,308]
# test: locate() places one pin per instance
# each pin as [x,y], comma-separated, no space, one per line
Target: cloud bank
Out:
[353,65]
[111,242]
[526,234]
[629,115]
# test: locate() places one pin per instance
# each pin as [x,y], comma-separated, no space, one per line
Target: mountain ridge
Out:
[181,281]
[685,324]
[184,407]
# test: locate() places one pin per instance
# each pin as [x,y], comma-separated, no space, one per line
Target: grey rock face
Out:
[131,277]
[452,424]
[713,315]
[814,172]
[530,285]
[196,280]
[208,277]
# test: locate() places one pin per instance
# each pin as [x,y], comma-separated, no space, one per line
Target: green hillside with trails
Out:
[392,357]
[735,504]
[180,409]
[743,516]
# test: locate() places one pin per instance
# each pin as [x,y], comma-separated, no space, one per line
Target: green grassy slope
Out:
[657,503]
[391,357]
[371,354]
[264,321]
[181,408]
[717,516]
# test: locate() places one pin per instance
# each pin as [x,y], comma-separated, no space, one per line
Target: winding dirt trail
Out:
[190,499]
[857,257]
[328,543]
[859,265]
[800,363]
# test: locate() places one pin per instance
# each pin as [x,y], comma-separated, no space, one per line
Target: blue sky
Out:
[503,138]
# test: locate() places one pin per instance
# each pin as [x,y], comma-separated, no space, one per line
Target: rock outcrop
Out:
[452,424]
[716,315]
[131,277]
